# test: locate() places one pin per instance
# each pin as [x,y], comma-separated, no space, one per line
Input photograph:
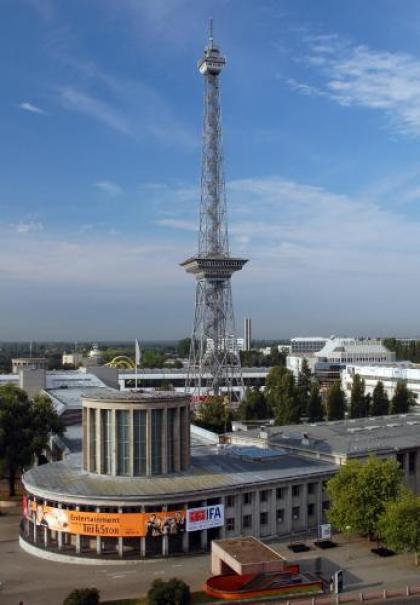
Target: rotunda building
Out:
[131,485]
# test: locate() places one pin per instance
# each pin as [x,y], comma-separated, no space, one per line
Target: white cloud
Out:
[29,226]
[356,75]
[26,106]
[77,100]
[178,224]
[110,188]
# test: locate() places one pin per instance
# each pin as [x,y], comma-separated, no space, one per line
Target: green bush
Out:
[172,592]
[82,596]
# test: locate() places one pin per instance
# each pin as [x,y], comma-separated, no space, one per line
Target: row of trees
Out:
[404,350]
[362,404]
[369,498]
[289,400]
[25,428]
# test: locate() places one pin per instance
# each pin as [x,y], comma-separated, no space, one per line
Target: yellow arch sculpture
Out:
[121,361]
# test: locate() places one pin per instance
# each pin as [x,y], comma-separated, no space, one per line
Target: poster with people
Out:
[118,525]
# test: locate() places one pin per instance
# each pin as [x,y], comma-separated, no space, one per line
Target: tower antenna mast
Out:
[215,367]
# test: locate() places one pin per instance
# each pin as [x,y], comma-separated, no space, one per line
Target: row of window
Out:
[280,494]
[280,516]
[411,461]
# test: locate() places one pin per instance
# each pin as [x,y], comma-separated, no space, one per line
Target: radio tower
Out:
[215,366]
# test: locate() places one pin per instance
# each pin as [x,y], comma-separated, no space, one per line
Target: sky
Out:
[100,122]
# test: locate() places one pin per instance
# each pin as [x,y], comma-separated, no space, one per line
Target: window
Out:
[296,512]
[247,497]
[325,505]
[230,524]
[230,501]
[123,442]
[311,510]
[106,417]
[246,521]
[92,439]
[264,496]
[400,459]
[412,462]
[280,515]
[280,492]
[157,441]
[139,422]
[172,436]
[296,491]
[311,488]
[263,518]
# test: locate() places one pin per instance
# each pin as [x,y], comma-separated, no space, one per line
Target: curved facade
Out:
[136,434]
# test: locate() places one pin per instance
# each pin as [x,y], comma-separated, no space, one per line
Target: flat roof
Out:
[210,470]
[248,550]
[350,437]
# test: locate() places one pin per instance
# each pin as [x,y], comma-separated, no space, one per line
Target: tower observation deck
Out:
[215,367]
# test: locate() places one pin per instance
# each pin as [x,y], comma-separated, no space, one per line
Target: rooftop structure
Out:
[213,367]
[307,344]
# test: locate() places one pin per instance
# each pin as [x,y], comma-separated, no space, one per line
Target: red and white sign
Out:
[205,517]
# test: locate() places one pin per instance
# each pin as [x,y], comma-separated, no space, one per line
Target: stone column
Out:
[143,539]
[165,537]
[131,442]
[60,533]
[99,449]
[272,512]
[98,538]
[88,440]
[165,440]
[304,505]
[177,437]
[222,530]
[149,442]
[120,540]
[203,532]
[288,521]
[34,528]
[186,535]
[256,514]
[114,450]
[78,541]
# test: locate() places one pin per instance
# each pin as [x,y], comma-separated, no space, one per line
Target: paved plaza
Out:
[40,582]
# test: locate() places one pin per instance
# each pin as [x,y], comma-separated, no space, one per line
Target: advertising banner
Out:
[205,517]
[325,531]
[118,525]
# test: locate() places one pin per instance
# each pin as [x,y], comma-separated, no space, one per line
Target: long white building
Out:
[388,373]
[337,353]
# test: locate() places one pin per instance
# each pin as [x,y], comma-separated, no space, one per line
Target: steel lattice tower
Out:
[215,366]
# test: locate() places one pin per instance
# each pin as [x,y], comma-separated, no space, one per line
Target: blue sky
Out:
[100,118]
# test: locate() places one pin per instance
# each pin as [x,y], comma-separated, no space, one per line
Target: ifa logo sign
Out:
[205,517]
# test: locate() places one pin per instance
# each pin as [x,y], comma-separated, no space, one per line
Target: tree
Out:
[214,415]
[152,359]
[315,409]
[399,524]
[172,592]
[253,406]
[358,402]
[183,347]
[282,396]
[25,426]
[335,402]
[402,400]
[82,596]
[380,401]
[304,382]
[359,492]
